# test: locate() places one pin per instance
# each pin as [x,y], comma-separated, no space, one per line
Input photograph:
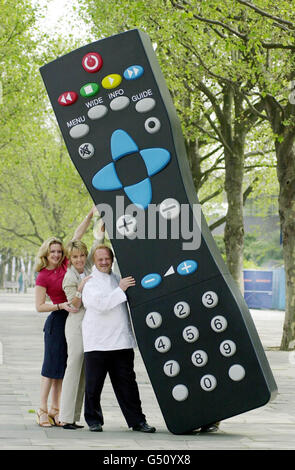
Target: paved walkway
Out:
[21,352]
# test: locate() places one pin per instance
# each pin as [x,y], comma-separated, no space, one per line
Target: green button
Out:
[89,89]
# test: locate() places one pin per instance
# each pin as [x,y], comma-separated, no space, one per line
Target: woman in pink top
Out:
[51,266]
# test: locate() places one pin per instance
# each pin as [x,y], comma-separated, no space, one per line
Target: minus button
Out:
[151,280]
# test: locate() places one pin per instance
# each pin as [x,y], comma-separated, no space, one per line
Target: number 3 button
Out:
[210,299]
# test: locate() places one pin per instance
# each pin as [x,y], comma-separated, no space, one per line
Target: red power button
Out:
[92,62]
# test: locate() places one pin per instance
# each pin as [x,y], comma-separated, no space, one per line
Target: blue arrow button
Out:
[187,267]
[133,72]
[151,280]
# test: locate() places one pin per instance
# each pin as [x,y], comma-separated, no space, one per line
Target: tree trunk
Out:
[285,153]
[234,134]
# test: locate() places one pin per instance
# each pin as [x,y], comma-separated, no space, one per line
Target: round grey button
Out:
[208,382]
[210,299]
[163,344]
[182,309]
[97,112]
[171,368]
[236,372]
[126,225]
[152,125]
[145,105]
[78,131]
[153,320]
[86,150]
[180,392]
[169,208]
[119,103]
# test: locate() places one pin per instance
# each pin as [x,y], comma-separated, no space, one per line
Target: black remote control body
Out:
[193,327]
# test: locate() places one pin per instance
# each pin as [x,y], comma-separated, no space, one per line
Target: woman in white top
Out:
[73,387]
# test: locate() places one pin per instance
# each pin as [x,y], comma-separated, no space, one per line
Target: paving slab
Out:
[271,427]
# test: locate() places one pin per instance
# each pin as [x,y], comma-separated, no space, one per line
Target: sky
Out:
[60,17]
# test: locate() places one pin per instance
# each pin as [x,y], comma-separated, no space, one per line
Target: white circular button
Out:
[169,208]
[227,348]
[218,324]
[126,225]
[199,358]
[152,125]
[180,392]
[153,320]
[190,334]
[171,368]
[162,344]
[182,309]
[237,372]
[210,299]
[208,382]
[86,150]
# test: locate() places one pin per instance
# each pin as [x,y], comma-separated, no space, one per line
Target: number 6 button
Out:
[162,344]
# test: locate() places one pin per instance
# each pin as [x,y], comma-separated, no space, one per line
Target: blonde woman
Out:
[79,271]
[51,266]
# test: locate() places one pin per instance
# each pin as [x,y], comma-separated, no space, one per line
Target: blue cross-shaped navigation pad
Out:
[155,160]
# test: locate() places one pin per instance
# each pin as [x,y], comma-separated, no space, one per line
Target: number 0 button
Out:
[162,344]
[208,383]
[210,299]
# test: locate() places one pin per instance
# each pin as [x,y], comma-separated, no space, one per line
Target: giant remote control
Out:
[193,328]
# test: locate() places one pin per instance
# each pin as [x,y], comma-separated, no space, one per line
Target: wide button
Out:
[67,98]
[97,112]
[90,89]
[187,267]
[111,81]
[151,280]
[92,62]
[79,131]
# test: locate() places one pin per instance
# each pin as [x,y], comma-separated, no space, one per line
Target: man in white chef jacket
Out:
[108,344]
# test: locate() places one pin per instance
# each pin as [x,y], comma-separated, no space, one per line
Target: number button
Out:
[182,309]
[208,382]
[153,320]
[162,344]
[218,324]
[199,358]
[210,299]
[190,334]
[171,368]
[227,348]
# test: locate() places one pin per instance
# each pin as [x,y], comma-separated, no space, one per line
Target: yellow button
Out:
[111,81]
